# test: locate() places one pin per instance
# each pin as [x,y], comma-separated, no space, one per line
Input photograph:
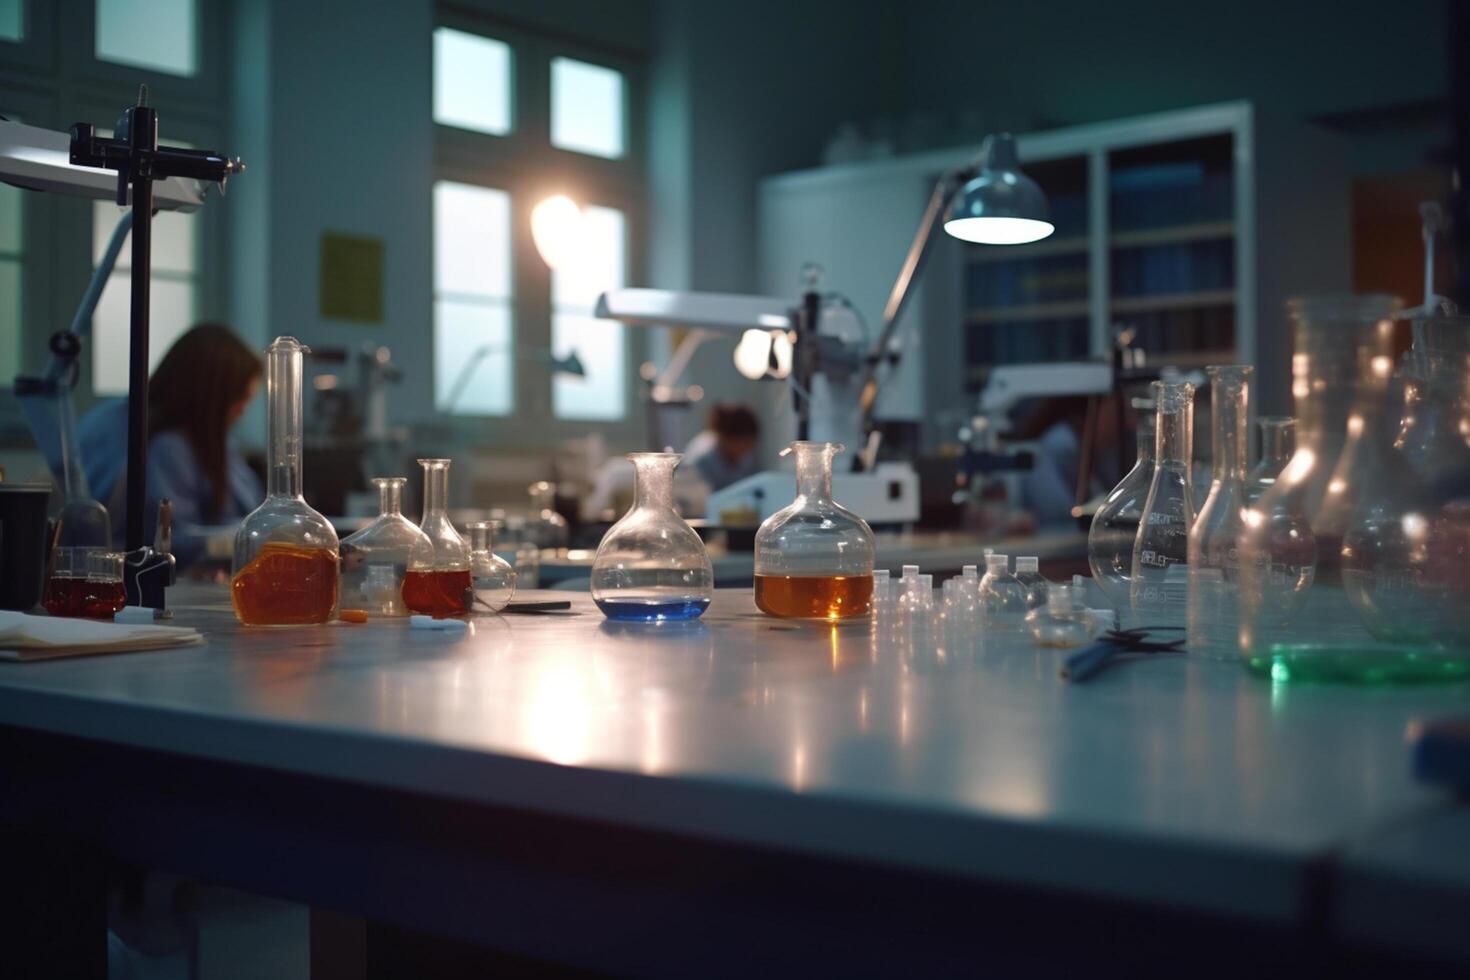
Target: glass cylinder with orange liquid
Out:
[445,587]
[814,557]
[285,570]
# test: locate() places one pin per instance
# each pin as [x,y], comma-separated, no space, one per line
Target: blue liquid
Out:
[651,610]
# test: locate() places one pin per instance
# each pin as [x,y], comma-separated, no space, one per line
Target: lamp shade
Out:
[1000,205]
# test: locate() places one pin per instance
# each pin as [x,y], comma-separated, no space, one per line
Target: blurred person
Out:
[725,451]
[1049,488]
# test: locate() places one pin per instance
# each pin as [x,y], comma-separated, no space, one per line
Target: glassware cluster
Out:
[376,559]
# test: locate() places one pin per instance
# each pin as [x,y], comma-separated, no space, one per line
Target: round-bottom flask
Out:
[376,558]
[494,580]
[651,566]
[814,557]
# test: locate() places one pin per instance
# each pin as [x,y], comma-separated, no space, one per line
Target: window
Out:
[473,337]
[599,344]
[173,297]
[154,34]
[472,87]
[12,20]
[586,108]
[11,241]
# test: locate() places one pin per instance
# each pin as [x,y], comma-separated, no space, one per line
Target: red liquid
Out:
[439,593]
[286,585]
[814,596]
[65,596]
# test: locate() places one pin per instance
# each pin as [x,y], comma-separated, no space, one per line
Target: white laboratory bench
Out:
[622,796]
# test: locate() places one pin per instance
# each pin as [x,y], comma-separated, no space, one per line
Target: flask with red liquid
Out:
[445,587]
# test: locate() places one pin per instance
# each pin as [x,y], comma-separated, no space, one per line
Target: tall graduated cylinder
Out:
[285,568]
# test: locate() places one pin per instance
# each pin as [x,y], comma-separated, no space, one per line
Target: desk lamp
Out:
[148,177]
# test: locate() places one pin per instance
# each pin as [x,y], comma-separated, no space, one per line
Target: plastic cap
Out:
[880,575]
[970,571]
[1027,565]
[909,571]
[926,582]
[995,563]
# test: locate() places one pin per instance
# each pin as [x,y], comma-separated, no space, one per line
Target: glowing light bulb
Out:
[753,353]
[556,228]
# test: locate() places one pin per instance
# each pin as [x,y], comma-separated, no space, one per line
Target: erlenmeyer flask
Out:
[376,558]
[285,570]
[651,566]
[1115,525]
[494,579]
[814,557]
[444,588]
[1158,583]
[1214,571]
[1278,443]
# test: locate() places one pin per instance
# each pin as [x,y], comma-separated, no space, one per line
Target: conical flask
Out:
[376,558]
[444,587]
[651,566]
[1214,568]
[1115,525]
[814,557]
[1158,583]
[285,569]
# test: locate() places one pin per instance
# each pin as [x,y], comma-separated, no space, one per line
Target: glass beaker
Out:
[814,557]
[1003,604]
[651,565]
[376,558]
[1115,525]
[285,568]
[493,578]
[444,586]
[1278,443]
[1157,583]
[1214,568]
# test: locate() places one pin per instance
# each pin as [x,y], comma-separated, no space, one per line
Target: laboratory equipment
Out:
[814,557]
[376,558]
[285,568]
[444,586]
[1003,604]
[1028,573]
[493,579]
[1214,568]
[1115,525]
[546,528]
[1062,621]
[651,565]
[85,582]
[1278,443]
[1161,550]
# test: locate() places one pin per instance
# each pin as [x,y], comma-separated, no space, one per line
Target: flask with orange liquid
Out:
[446,587]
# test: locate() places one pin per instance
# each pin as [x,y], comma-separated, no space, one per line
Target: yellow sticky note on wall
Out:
[351,278]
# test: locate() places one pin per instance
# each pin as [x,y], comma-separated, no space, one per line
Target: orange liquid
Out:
[66,596]
[439,593]
[814,596]
[286,585]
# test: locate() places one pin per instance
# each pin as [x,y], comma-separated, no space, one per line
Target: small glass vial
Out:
[1062,622]
[285,569]
[814,557]
[1158,585]
[494,580]
[444,588]
[376,558]
[1002,597]
[651,566]
[1028,573]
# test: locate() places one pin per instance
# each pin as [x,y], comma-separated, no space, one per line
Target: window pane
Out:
[11,218]
[12,20]
[173,239]
[599,344]
[9,321]
[471,241]
[472,358]
[586,108]
[171,313]
[157,34]
[471,82]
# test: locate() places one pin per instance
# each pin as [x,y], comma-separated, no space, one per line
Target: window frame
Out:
[525,164]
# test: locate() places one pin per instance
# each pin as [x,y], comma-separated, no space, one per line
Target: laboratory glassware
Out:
[85,582]
[1115,525]
[285,568]
[546,528]
[1028,573]
[1003,604]
[651,565]
[376,558]
[1214,569]
[1062,622]
[493,577]
[1278,443]
[814,557]
[444,587]
[1157,584]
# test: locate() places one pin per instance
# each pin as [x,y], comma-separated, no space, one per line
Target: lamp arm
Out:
[682,355]
[913,264]
[81,321]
